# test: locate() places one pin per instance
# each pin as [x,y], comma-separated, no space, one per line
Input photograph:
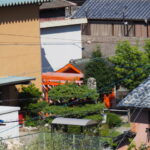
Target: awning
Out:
[11,80]
[73,121]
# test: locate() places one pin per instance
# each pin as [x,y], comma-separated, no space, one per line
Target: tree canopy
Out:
[102,70]
[147,47]
[131,65]
[67,92]
[29,94]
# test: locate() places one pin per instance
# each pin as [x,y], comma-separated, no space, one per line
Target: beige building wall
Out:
[20,53]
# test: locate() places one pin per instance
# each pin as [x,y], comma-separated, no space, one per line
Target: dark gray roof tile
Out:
[139,97]
[114,9]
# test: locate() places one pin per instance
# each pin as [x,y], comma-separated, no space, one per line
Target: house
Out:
[57,10]
[20,53]
[60,36]
[9,122]
[138,101]
[110,21]
[60,42]
[8,88]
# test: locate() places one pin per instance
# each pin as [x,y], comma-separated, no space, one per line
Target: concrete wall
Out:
[20,42]
[11,129]
[59,46]
[107,43]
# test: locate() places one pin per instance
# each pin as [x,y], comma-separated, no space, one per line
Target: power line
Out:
[41,37]
[140,66]
[87,95]
[38,37]
[126,134]
[101,91]
[114,83]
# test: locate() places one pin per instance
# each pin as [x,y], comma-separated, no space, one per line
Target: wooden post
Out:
[46,94]
[44,142]
[74,142]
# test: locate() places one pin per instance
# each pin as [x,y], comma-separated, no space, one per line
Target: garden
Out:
[126,69]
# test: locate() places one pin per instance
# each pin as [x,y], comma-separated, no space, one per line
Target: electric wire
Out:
[138,114]
[15,126]
[101,91]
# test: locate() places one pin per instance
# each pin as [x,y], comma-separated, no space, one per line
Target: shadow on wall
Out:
[9,95]
[64,29]
[23,13]
[46,66]
[143,116]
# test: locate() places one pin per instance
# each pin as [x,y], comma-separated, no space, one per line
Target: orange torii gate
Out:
[67,74]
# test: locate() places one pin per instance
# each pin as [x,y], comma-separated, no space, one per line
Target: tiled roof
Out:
[56,4]
[82,63]
[114,9]
[20,2]
[139,97]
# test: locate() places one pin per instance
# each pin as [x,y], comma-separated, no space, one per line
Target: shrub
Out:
[35,108]
[102,70]
[70,92]
[113,120]
[131,64]
[107,136]
[29,94]
[76,111]
[96,117]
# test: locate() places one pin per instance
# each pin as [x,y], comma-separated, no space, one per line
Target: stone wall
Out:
[107,43]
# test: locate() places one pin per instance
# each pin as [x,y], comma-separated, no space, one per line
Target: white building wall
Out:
[59,46]
[10,129]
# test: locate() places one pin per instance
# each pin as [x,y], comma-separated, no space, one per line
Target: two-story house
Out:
[110,21]
[20,52]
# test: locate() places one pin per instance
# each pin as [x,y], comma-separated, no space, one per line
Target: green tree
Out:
[147,47]
[29,94]
[70,92]
[131,65]
[97,52]
[102,70]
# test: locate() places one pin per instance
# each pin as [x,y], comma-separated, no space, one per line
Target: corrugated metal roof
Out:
[114,9]
[56,4]
[8,109]
[73,121]
[139,97]
[14,80]
[20,2]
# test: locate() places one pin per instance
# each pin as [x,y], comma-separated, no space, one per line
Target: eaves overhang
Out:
[5,3]
[14,80]
[65,22]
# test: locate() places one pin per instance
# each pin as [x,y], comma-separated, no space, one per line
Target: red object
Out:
[21,119]
[107,101]
[109,98]
[68,73]
[69,68]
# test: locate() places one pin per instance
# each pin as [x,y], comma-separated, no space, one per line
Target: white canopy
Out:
[74,121]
